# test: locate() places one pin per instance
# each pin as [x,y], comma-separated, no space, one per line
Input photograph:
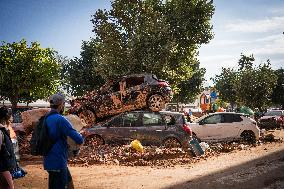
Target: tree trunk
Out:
[14,101]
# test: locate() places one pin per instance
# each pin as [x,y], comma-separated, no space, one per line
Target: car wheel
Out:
[156,103]
[172,143]
[248,136]
[94,140]
[88,117]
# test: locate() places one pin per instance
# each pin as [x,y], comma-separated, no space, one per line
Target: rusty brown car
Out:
[127,93]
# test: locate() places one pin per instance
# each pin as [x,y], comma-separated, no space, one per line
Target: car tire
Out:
[94,140]
[172,143]
[248,136]
[156,103]
[88,117]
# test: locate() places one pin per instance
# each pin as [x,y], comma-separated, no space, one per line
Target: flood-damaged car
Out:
[150,128]
[225,126]
[272,119]
[127,93]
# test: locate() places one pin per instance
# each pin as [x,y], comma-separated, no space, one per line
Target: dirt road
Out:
[258,167]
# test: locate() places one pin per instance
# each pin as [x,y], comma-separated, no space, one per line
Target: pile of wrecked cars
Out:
[129,108]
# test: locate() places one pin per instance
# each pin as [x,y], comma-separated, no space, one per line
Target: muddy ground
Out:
[260,166]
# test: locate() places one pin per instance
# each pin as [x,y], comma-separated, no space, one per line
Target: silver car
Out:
[225,126]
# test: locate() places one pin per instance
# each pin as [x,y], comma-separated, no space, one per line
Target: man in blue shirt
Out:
[55,162]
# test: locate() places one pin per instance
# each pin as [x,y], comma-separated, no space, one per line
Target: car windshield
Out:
[273,113]
[201,118]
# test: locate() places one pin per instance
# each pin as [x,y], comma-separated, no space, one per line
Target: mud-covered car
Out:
[272,119]
[150,128]
[127,93]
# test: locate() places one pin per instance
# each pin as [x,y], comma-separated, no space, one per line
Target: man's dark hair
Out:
[54,106]
[5,113]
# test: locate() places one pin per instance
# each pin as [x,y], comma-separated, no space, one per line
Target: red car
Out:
[272,119]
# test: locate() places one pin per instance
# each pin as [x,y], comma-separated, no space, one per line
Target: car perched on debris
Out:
[272,119]
[225,126]
[150,128]
[127,93]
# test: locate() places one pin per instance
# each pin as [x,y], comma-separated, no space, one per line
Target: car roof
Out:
[169,112]
[275,110]
[226,113]
[134,75]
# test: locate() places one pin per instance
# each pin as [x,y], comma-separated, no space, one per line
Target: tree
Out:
[225,84]
[277,96]
[254,86]
[248,85]
[80,74]
[27,72]
[246,62]
[154,36]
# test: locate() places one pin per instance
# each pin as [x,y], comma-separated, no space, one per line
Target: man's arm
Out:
[69,131]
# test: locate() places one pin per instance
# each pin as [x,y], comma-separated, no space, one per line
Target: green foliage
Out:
[246,62]
[277,96]
[254,86]
[151,36]
[249,86]
[27,73]
[224,83]
[80,74]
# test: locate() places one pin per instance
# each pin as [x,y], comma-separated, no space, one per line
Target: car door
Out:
[152,129]
[210,128]
[109,103]
[133,94]
[231,126]
[130,122]
[114,130]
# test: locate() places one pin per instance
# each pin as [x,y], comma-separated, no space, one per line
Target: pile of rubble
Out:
[152,155]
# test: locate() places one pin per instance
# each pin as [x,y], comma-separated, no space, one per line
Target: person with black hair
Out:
[7,156]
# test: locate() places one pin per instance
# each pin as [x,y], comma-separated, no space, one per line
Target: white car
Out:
[225,126]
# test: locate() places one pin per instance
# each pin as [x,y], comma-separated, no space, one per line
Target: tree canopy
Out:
[27,72]
[277,96]
[151,36]
[249,85]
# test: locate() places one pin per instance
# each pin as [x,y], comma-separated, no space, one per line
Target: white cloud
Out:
[270,45]
[256,26]
[279,10]
[213,64]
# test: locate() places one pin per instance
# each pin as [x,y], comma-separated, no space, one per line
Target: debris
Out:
[195,147]
[136,144]
[269,137]
[153,156]
[30,117]
[204,146]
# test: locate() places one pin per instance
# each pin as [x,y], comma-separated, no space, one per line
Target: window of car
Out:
[230,118]
[134,81]
[130,120]
[152,119]
[273,113]
[213,119]
[115,122]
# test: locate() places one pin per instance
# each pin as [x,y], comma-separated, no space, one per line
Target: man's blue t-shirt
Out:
[59,128]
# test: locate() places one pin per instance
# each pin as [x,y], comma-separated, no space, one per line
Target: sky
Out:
[240,26]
